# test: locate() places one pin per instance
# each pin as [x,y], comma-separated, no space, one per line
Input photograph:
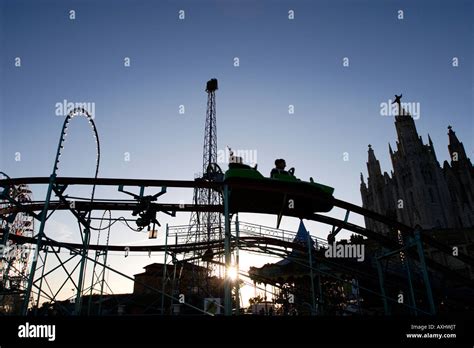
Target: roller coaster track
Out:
[127,205]
[218,244]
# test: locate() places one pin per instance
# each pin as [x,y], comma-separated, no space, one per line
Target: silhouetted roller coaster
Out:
[241,189]
[244,188]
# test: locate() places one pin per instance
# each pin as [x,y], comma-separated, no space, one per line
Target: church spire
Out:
[363,186]
[407,135]
[430,142]
[453,139]
[373,165]
[371,154]
[456,149]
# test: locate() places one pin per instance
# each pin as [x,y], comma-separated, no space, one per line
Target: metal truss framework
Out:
[267,242]
[411,241]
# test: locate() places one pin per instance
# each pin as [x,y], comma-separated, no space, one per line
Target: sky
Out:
[282,62]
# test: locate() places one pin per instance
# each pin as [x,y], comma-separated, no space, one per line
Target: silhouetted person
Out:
[280,165]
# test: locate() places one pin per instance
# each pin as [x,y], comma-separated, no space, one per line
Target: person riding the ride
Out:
[280,165]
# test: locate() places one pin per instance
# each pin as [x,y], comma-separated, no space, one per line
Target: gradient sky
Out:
[282,62]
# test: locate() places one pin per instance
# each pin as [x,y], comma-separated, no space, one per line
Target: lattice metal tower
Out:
[206,226]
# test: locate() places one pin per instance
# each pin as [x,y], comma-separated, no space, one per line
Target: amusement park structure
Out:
[214,238]
[206,226]
[14,266]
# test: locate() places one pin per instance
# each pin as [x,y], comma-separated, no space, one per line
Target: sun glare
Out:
[232,273]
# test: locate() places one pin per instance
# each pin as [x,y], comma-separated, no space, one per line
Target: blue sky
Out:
[282,62]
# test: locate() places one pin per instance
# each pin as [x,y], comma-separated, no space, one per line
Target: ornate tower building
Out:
[419,191]
[460,178]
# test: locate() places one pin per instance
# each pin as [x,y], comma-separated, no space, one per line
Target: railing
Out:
[180,234]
